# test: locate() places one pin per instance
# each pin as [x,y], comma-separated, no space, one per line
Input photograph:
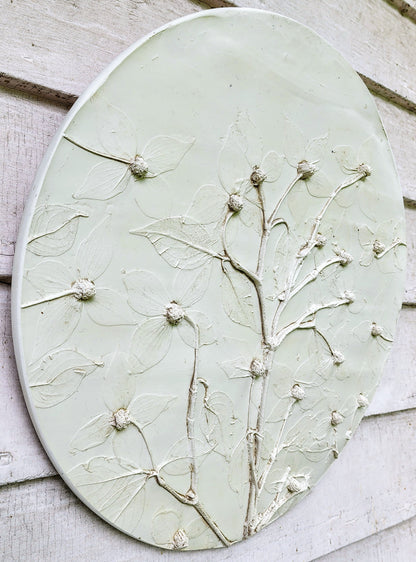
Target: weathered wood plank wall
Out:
[365,507]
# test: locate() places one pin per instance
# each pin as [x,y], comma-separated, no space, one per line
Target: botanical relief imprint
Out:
[53,229]
[58,375]
[66,293]
[123,156]
[286,274]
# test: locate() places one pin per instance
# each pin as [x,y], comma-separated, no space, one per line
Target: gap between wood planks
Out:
[66,99]
[372,547]
[37,90]
[404,8]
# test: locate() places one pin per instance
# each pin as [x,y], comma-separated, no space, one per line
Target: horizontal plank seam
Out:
[409,203]
[371,84]
[18,483]
[322,556]
[59,97]
[387,94]
[219,4]
[404,8]
[390,414]
[56,475]
[67,99]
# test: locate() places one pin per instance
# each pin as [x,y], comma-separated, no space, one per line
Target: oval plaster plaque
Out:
[208,277]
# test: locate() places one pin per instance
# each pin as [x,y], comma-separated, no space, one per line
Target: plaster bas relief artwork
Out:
[210,273]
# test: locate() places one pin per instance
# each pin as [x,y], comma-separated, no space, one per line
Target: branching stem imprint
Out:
[395,244]
[190,499]
[184,245]
[69,292]
[190,413]
[195,504]
[291,289]
[273,336]
[59,227]
[283,197]
[97,152]
[146,443]
[275,451]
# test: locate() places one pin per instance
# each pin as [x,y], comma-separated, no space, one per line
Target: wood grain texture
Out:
[27,125]
[397,390]
[410,216]
[63,45]
[21,453]
[395,544]
[371,487]
[400,126]
[372,35]
[23,458]
[407,9]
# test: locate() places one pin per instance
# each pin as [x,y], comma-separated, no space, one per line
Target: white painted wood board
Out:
[372,35]
[395,544]
[400,126]
[26,128]
[397,390]
[410,216]
[371,487]
[62,45]
[406,8]
[21,454]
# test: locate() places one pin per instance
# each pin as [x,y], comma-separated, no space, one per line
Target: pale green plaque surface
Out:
[208,277]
